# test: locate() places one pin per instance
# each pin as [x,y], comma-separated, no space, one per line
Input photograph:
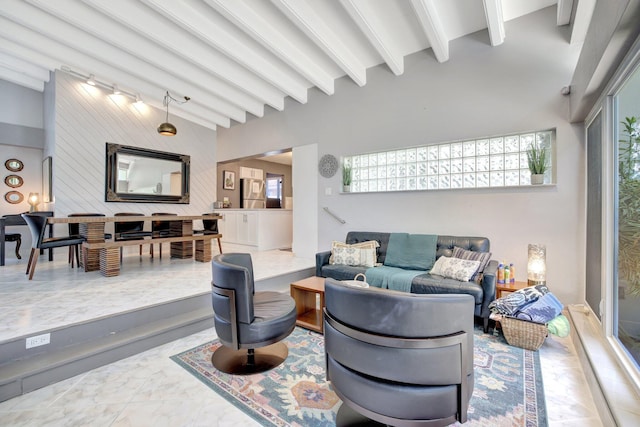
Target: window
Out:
[488,162]
[626,292]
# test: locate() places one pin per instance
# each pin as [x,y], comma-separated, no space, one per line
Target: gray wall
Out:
[267,167]
[480,91]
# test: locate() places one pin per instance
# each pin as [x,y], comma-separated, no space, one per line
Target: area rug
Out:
[508,384]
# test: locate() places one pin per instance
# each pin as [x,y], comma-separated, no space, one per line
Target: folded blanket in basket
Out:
[559,326]
[541,310]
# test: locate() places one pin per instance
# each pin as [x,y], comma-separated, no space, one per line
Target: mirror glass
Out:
[141,175]
[13,181]
[14,165]
[14,197]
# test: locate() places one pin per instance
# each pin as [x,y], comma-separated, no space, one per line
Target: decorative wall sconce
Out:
[166,128]
[537,265]
[33,200]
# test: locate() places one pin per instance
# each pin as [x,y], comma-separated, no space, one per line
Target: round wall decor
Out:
[328,166]
[13,197]
[14,165]
[13,181]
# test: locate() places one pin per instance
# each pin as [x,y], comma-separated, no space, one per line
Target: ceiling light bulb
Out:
[91,80]
[138,99]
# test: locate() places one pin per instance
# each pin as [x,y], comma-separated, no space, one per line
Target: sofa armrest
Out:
[488,284]
[322,258]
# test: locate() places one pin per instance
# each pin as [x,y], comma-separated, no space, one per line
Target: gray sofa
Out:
[483,292]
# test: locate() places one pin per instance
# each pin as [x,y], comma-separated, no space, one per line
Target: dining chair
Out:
[160,229]
[37,225]
[14,237]
[74,229]
[130,230]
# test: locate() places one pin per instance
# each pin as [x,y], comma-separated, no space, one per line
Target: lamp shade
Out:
[167,129]
[537,265]
[33,200]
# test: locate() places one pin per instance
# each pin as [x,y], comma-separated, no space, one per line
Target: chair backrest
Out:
[128,226]
[233,271]
[74,228]
[161,225]
[37,224]
[422,340]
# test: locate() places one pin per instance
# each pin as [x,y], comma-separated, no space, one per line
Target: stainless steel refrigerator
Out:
[253,193]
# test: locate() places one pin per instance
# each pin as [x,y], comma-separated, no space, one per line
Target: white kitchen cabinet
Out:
[251,173]
[262,229]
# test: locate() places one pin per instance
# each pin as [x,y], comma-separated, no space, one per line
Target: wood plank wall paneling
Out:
[87,117]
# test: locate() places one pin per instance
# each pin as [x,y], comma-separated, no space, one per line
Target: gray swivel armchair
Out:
[249,324]
[399,359]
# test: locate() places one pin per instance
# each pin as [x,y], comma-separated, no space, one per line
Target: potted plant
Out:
[538,160]
[346,177]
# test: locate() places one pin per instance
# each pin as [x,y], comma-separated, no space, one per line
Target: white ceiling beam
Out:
[495,21]
[20,79]
[31,56]
[261,30]
[191,17]
[228,101]
[85,44]
[24,67]
[362,14]
[433,28]
[581,20]
[564,12]
[143,20]
[308,21]
[79,61]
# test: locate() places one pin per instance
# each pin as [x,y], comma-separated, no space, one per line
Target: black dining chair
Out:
[37,225]
[14,237]
[160,229]
[130,230]
[74,229]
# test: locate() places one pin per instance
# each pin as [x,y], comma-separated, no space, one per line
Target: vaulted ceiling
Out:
[235,57]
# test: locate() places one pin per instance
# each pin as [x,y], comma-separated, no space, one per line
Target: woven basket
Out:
[523,334]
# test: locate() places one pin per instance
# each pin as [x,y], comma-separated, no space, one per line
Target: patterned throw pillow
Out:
[455,268]
[483,257]
[363,253]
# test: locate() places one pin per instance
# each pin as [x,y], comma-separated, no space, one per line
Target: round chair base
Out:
[241,362]
[348,417]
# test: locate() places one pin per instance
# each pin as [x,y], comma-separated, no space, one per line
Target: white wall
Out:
[25,107]
[87,117]
[481,91]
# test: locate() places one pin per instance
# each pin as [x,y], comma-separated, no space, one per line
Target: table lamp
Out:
[33,200]
[537,265]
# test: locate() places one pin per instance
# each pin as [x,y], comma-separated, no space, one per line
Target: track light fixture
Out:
[91,80]
[166,128]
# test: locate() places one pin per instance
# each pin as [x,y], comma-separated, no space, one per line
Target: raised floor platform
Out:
[92,320]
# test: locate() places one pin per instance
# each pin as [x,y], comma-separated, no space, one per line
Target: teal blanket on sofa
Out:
[408,255]
[397,279]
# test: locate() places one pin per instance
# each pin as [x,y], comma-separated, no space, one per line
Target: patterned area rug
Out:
[508,384]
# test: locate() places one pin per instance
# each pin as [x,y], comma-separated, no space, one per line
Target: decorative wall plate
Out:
[13,197]
[13,181]
[328,166]
[14,165]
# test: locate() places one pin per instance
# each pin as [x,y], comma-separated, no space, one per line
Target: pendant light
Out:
[166,128]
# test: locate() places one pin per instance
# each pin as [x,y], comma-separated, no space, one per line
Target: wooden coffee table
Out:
[305,293]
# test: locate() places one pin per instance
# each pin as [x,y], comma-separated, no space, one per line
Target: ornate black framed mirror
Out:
[140,175]
[13,181]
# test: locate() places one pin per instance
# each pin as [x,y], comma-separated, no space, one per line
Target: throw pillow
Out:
[483,257]
[363,253]
[455,268]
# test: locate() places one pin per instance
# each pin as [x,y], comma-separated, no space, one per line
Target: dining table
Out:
[13,220]
[103,255]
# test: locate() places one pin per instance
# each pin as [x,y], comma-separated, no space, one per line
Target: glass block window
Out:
[489,162]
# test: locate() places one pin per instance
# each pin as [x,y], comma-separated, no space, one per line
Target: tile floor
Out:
[149,389]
